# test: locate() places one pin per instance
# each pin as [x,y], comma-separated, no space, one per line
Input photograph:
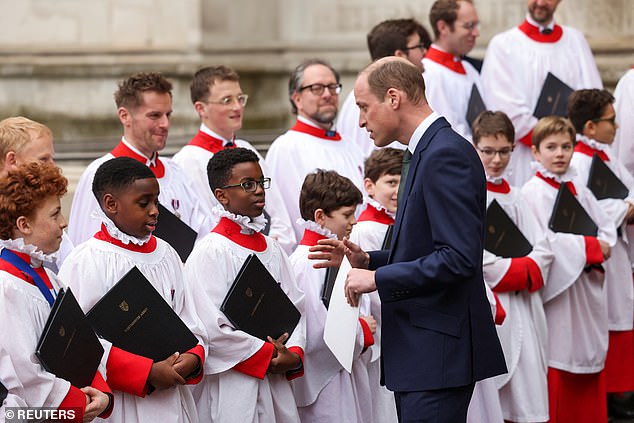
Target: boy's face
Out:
[339,222]
[604,128]
[554,153]
[384,190]
[135,209]
[45,228]
[235,199]
[495,153]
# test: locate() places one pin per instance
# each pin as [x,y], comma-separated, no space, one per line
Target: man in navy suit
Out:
[438,332]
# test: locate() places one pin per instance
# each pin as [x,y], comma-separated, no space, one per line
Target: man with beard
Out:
[312,143]
[515,68]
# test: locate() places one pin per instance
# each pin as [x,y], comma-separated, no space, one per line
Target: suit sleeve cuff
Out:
[593,251]
[298,372]
[368,338]
[74,400]
[500,313]
[527,139]
[257,365]
[197,375]
[128,372]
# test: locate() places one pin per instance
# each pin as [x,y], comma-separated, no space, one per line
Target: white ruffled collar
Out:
[247,226]
[372,202]
[566,177]
[115,232]
[37,255]
[315,227]
[593,143]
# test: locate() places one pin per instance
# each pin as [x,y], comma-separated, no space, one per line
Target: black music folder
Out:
[256,303]
[4,392]
[387,240]
[476,105]
[267,227]
[329,284]
[135,317]
[603,182]
[553,99]
[175,232]
[569,216]
[68,346]
[503,238]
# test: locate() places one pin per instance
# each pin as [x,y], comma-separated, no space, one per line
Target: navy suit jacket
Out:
[437,327]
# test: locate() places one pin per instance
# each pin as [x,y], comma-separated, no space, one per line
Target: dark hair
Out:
[399,74]
[492,124]
[117,174]
[551,125]
[206,77]
[391,35]
[585,105]
[385,161]
[326,190]
[128,94]
[297,78]
[221,164]
[24,188]
[444,10]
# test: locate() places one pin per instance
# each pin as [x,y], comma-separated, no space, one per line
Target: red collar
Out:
[122,150]
[584,148]
[503,188]
[445,59]
[209,143]
[373,215]
[12,270]
[534,34]
[315,132]
[231,230]
[555,184]
[310,238]
[148,247]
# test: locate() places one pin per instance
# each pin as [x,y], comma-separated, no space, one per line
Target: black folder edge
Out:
[329,284]
[475,105]
[560,103]
[551,224]
[181,236]
[525,248]
[618,191]
[4,392]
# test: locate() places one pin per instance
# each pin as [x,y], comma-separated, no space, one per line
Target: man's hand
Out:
[359,281]
[283,360]
[369,319]
[331,251]
[356,256]
[96,403]
[163,375]
[186,364]
[629,215]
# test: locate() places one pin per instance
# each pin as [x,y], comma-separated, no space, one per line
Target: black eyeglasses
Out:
[251,185]
[421,46]
[612,120]
[318,89]
[489,153]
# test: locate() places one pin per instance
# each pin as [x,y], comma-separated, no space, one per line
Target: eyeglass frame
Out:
[321,88]
[229,100]
[470,26]
[421,46]
[491,153]
[611,120]
[265,183]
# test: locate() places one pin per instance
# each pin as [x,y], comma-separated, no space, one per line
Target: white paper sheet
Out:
[340,331]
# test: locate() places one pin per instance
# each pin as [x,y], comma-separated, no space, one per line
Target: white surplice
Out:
[623,145]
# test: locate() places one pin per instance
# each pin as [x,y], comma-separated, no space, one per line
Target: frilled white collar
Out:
[593,143]
[247,226]
[115,232]
[372,202]
[315,227]
[566,177]
[37,255]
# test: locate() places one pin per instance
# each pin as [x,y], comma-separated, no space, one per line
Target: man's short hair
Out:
[16,132]
[391,35]
[444,10]
[296,80]
[399,74]
[585,105]
[24,188]
[385,161]
[208,76]
[492,124]
[130,90]
[221,165]
[326,190]
[117,174]
[551,125]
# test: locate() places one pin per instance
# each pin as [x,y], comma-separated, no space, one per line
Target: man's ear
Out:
[295,98]
[393,98]
[199,107]
[320,217]
[400,53]
[589,129]
[124,115]
[110,204]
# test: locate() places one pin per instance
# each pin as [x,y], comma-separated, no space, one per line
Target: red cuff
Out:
[128,372]
[258,363]
[516,277]
[500,313]
[535,279]
[199,352]
[593,251]
[299,372]
[527,139]
[74,400]
[99,383]
[368,338]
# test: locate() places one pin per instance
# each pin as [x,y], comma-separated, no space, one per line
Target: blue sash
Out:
[10,257]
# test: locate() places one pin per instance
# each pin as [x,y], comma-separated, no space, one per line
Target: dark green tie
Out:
[407,158]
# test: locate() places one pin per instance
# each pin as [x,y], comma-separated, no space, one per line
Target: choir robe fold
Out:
[175,195]
[513,73]
[9,378]
[623,145]
[327,392]
[193,159]
[295,154]
[225,394]
[523,334]
[94,267]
